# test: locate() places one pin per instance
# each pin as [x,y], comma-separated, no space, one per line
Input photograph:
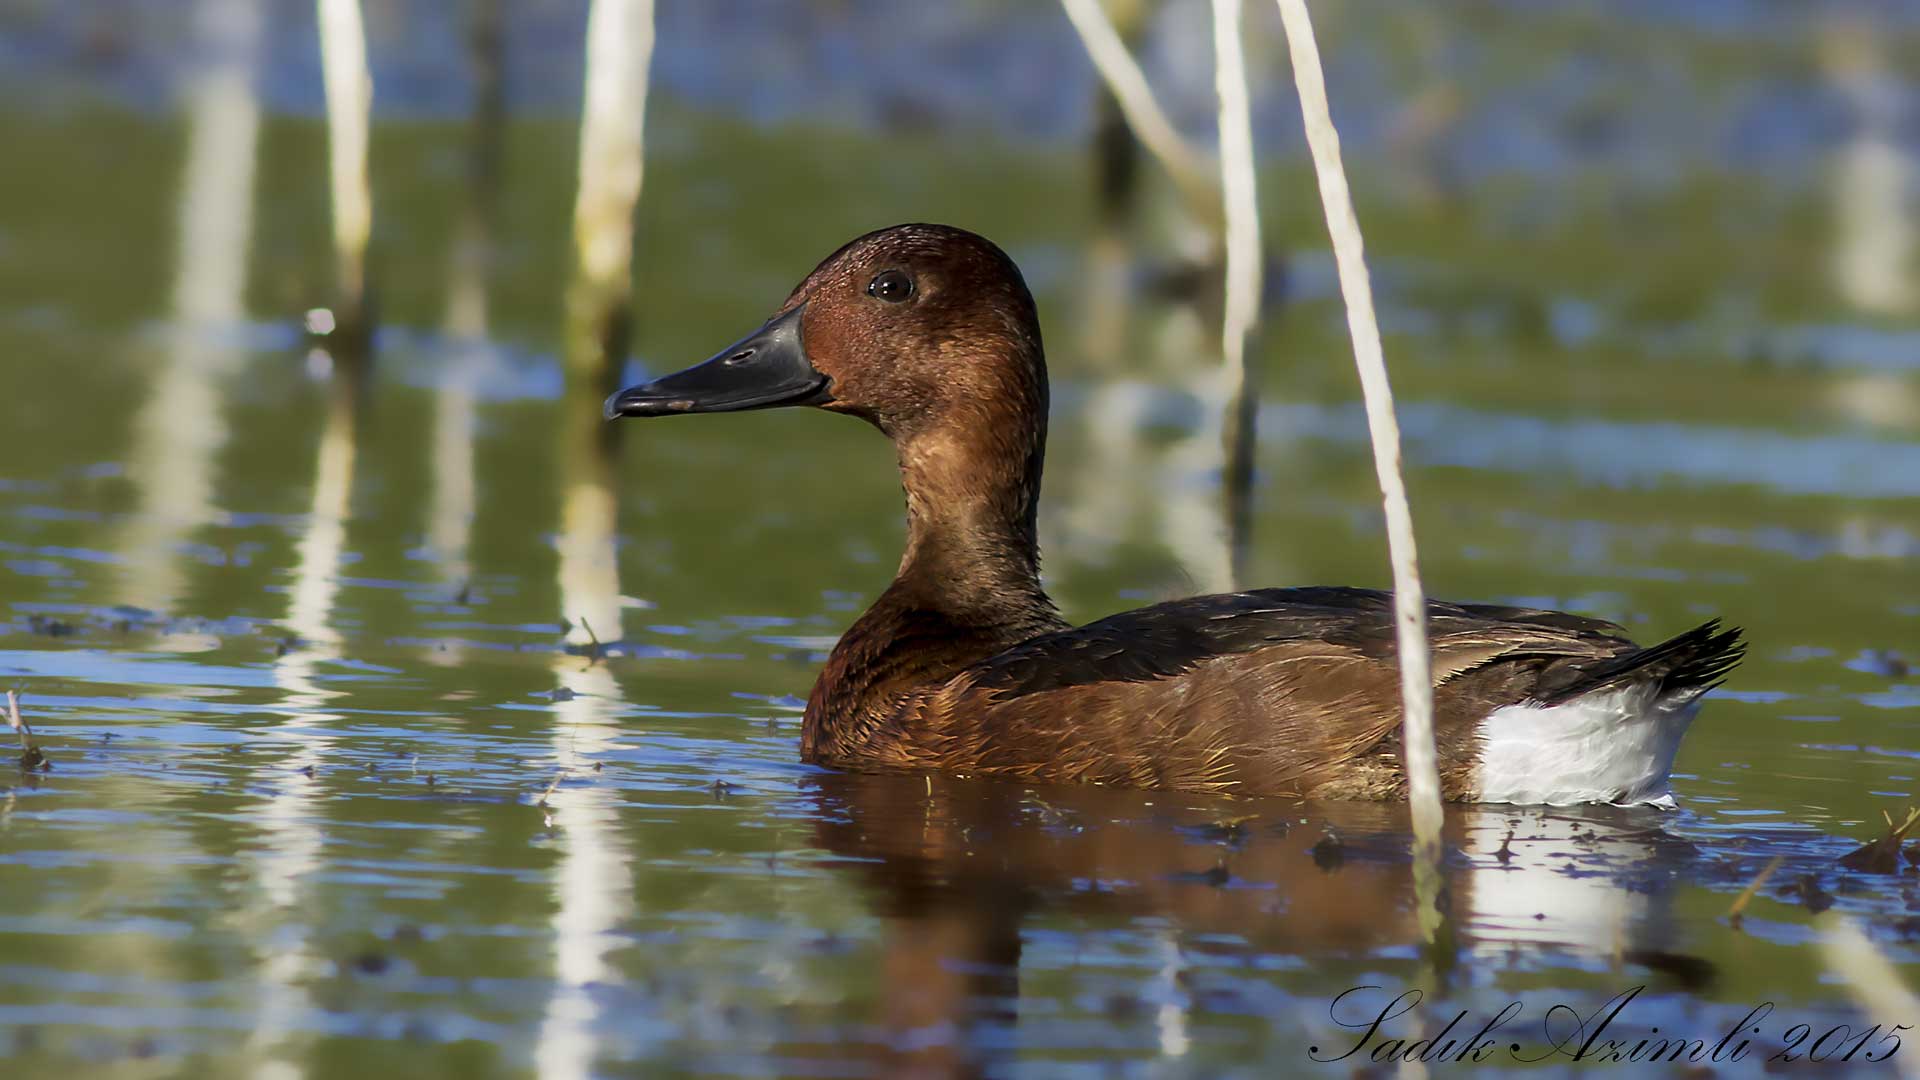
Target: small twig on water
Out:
[31,759]
[551,788]
[595,651]
[13,716]
[1882,856]
[1747,894]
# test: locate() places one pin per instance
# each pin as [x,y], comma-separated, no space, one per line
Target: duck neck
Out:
[973,550]
[968,585]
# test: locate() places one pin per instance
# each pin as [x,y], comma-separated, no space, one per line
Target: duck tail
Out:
[1680,668]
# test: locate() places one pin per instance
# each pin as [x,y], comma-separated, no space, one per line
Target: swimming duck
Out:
[964,665]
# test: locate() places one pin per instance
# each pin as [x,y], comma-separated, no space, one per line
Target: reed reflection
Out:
[450,513]
[291,835]
[592,884]
[1871,265]
[182,426]
[1201,484]
[1134,482]
[957,870]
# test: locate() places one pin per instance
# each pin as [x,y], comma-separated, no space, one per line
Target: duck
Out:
[964,665]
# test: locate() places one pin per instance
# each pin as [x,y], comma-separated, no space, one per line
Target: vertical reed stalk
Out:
[612,143]
[1115,154]
[1872,980]
[470,260]
[469,266]
[1135,98]
[349,91]
[593,882]
[283,872]
[182,427]
[1410,614]
[1872,263]
[1240,196]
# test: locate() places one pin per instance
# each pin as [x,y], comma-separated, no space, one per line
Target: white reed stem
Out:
[1874,982]
[1410,609]
[1143,114]
[349,92]
[1239,189]
[612,140]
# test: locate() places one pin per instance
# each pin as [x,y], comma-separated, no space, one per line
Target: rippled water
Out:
[380,738]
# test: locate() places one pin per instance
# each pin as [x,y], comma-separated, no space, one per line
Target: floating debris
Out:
[596,652]
[1329,852]
[1739,908]
[1693,973]
[1228,831]
[1808,891]
[1883,855]
[31,759]
[372,963]
[1883,662]
[51,627]
[1215,876]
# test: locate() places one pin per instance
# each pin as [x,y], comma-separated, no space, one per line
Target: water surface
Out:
[397,730]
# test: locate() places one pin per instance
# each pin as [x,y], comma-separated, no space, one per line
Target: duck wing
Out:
[1272,691]
[1172,638]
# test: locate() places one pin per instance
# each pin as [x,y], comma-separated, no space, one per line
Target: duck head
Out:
[918,329]
[928,333]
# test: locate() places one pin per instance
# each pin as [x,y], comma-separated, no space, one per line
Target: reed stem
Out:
[1410,611]
[612,156]
[349,93]
[1239,188]
[1871,979]
[1150,125]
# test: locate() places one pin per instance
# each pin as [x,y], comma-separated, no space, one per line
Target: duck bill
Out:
[766,369]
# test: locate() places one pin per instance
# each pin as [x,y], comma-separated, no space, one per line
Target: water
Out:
[375,745]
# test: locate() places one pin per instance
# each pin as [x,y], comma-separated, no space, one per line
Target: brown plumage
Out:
[964,665]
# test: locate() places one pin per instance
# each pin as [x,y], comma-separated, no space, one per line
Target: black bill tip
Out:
[766,369]
[642,400]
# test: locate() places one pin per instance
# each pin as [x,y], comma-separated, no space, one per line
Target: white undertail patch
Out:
[1610,746]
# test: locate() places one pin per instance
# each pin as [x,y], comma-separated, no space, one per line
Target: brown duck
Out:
[964,665]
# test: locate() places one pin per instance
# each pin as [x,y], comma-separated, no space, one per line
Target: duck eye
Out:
[892,286]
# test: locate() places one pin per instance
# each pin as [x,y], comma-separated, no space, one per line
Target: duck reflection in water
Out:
[1179,904]
[964,665]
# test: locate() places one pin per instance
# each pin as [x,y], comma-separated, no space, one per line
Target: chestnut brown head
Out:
[912,327]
